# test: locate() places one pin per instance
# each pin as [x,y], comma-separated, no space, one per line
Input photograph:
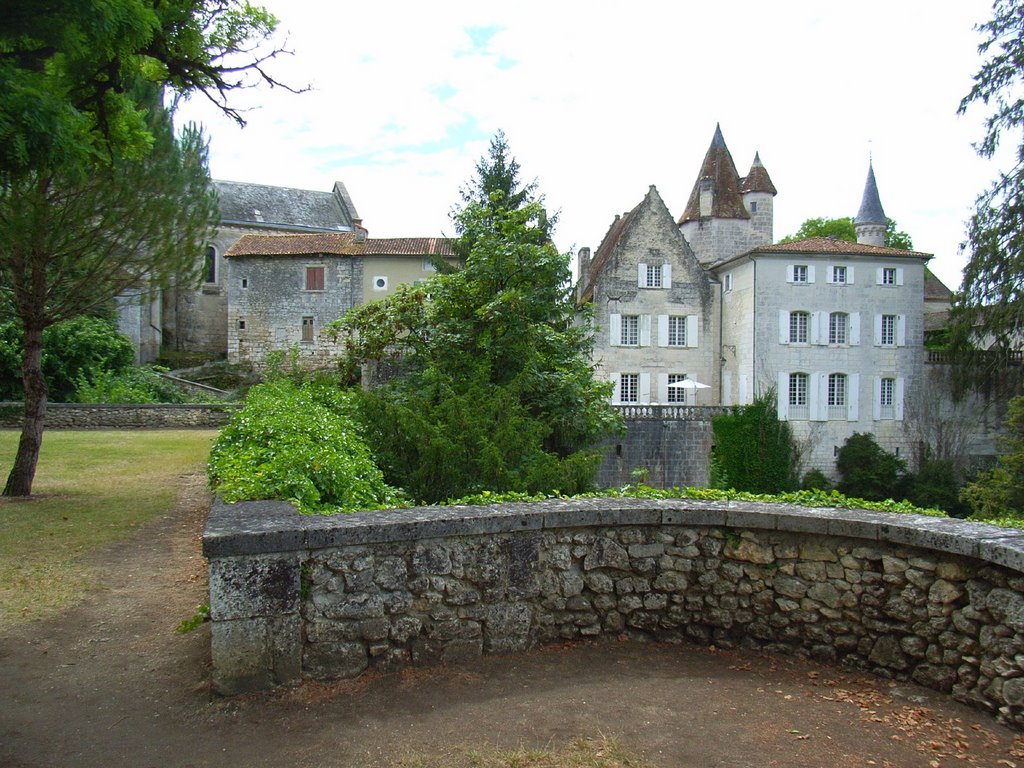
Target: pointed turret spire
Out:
[716,191]
[871,221]
[758,180]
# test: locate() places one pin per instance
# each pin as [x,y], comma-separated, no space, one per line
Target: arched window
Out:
[210,265]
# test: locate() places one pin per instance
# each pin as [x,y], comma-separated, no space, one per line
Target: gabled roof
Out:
[870,205]
[605,249]
[934,288]
[338,244]
[718,172]
[262,205]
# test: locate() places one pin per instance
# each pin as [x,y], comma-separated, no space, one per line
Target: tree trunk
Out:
[19,482]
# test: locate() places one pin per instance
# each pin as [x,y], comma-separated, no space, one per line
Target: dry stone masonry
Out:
[937,601]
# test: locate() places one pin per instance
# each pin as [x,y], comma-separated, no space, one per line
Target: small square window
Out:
[314,278]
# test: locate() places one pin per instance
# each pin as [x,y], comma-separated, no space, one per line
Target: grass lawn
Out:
[91,488]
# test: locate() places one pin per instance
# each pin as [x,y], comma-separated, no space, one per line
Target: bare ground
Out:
[111,683]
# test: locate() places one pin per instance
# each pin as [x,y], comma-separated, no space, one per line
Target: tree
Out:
[988,310]
[999,492]
[96,193]
[754,449]
[844,229]
[495,389]
[867,471]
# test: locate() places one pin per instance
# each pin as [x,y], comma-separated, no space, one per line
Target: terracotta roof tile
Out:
[718,171]
[757,180]
[832,245]
[409,246]
[340,244]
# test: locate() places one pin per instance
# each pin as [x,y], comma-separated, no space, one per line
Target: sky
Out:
[600,100]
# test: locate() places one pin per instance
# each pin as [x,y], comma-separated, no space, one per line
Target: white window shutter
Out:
[853,397]
[691,331]
[641,275]
[817,396]
[897,399]
[645,330]
[849,275]
[789,273]
[617,392]
[880,276]
[645,388]
[854,329]
[662,388]
[810,273]
[726,387]
[744,391]
[876,402]
[782,395]
[783,327]
[662,330]
[901,330]
[878,330]
[819,328]
[899,275]
[666,275]
[829,274]
[615,330]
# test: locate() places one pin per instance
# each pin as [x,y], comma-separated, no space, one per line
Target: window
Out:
[798,403]
[800,273]
[653,276]
[677,330]
[241,325]
[210,265]
[676,395]
[887,398]
[888,335]
[837,396]
[753,206]
[837,327]
[798,322]
[629,387]
[630,331]
[839,274]
[314,278]
[245,282]
[888,275]
[728,283]
[380,283]
[307,329]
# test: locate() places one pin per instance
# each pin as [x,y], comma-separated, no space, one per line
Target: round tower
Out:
[871,221]
[757,191]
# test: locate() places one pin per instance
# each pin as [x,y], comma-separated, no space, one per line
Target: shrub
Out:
[937,484]
[298,442]
[998,494]
[867,471]
[753,449]
[135,384]
[815,480]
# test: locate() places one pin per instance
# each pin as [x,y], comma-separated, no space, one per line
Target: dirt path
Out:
[111,683]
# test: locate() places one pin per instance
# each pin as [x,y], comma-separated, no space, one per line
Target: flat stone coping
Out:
[260,527]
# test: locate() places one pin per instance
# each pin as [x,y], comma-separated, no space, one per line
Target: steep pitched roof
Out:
[757,180]
[262,205]
[870,205]
[718,172]
[934,288]
[606,248]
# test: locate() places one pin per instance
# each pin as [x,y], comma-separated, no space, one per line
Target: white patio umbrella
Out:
[692,384]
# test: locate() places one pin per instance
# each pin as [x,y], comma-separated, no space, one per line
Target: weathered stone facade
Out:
[937,601]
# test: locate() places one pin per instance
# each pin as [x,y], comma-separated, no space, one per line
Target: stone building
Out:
[836,329]
[282,290]
[657,307]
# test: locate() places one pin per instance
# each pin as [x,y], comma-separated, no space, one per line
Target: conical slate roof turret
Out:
[757,180]
[718,184]
[871,211]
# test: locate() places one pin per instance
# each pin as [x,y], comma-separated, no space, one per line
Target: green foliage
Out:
[754,449]
[136,384]
[194,621]
[867,471]
[988,311]
[937,484]
[298,443]
[999,493]
[72,350]
[843,229]
[495,388]
[815,480]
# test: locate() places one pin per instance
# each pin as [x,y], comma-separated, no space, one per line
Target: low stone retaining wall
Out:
[935,600]
[157,416]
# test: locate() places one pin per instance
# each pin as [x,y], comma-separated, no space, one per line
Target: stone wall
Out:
[95,416]
[937,601]
[673,443]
